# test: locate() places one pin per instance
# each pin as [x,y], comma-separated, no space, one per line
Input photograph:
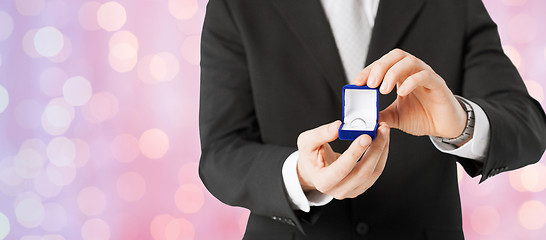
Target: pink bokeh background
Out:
[99,125]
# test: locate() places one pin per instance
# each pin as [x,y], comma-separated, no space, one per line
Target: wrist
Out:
[306,186]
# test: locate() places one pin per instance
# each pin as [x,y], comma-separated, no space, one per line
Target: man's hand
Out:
[340,175]
[424,105]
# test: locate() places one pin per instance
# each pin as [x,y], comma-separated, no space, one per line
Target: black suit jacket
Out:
[270,70]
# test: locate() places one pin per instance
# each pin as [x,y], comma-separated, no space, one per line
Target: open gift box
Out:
[360,112]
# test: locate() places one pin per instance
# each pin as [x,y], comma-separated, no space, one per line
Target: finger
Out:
[420,79]
[362,77]
[399,72]
[345,163]
[328,155]
[380,67]
[390,115]
[364,171]
[313,139]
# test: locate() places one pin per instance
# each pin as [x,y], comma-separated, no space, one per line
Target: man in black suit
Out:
[272,74]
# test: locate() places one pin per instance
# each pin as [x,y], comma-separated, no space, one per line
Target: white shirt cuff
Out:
[475,148]
[298,199]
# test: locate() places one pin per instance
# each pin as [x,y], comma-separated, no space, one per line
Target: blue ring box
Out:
[360,112]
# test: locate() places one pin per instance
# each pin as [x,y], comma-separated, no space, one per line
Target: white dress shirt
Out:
[475,149]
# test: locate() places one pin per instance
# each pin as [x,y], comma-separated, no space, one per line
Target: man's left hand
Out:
[424,104]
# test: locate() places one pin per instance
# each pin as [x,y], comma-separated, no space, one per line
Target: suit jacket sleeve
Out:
[518,123]
[235,166]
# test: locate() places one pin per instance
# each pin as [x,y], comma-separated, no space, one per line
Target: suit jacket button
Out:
[362,228]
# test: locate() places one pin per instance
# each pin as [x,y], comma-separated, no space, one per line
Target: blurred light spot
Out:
[94,229]
[8,174]
[131,186]
[28,163]
[82,152]
[61,151]
[30,212]
[125,148]
[111,16]
[533,177]
[179,229]
[532,215]
[522,28]
[102,106]
[36,144]
[65,52]
[52,237]
[27,113]
[4,99]
[52,80]
[4,226]
[513,54]
[31,237]
[123,37]
[515,180]
[61,176]
[158,226]
[55,217]
[122,57]
[154,143]
[189,198]
[243,220]
[535,90]
[29,7]
[164,67]
[48,41]
[514,2]
[183,9]
[77,91]
[190,49]
[57,116]
[193,25]
[91,201]
[87,15]
[45,187]
[189,173]
[6,25]
[28,44]
[485,220]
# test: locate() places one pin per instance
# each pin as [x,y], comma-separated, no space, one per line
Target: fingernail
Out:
[365,141]
[383,88]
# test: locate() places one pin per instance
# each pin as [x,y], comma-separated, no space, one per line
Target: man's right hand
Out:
[340,175]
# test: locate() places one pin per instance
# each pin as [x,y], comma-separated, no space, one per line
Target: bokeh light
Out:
[61,151]
[95,228]
[4,99]
[83,153]
[182,9]
[55,217]
[29,163]
[131,186]
[111,16]
[57,116]
[87,15]
[125,148]
[154,143]
[6,25]
[522,28]
[28,44]
[189,198]
[61,176]
[180,229]
[4,226]
[101,107]
[30,212]
[485,220]
[533,178]
[29,7]
[91,201]
[52,80]
[532,215]
[48,41]
[77,91]
[45,187]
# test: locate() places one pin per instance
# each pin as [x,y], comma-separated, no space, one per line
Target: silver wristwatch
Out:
[469,128]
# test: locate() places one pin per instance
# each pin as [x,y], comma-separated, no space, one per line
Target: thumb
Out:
[389,116]
[315,138]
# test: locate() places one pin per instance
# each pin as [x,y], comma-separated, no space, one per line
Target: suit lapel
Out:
[307,20]
[392,21]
